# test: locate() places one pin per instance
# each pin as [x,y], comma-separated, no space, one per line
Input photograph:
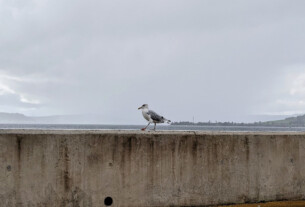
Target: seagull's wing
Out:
[154,116]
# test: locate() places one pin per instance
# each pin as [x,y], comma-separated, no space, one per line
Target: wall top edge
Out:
[138,132]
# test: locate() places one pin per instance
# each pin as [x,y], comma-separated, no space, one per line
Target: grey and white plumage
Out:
[152,117]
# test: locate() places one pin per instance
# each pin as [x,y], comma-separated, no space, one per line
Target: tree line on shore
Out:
[298,121]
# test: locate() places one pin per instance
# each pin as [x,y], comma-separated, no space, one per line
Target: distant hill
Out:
[17,118]
[9,118]
[298,121]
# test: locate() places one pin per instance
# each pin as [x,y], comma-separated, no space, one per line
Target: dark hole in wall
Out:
[108,201]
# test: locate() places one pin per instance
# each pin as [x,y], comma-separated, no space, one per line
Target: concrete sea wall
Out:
[129,168]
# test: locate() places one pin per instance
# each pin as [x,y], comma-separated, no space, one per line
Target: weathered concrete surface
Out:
[271,204]
[81,168]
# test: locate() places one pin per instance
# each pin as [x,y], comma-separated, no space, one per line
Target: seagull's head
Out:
[144,106]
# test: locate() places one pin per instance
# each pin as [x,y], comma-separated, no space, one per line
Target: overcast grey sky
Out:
[212,59]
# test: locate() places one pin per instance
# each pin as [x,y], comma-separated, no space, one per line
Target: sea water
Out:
[159,127]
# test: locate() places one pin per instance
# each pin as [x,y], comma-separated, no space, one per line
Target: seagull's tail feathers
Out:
[167,121]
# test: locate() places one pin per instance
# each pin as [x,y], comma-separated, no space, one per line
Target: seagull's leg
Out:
[143,129]
[155,127]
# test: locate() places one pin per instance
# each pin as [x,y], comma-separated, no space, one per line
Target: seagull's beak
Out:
[139,107]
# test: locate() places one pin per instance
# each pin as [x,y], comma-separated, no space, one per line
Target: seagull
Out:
[152,117]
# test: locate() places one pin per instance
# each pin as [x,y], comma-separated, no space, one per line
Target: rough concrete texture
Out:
[82,168]
[271,204]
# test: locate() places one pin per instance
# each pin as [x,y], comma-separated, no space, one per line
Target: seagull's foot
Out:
[143,129]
